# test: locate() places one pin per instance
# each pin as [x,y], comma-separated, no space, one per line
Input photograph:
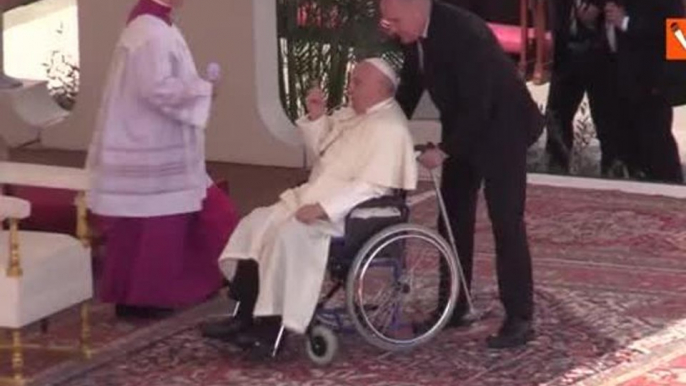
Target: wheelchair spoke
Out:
[393,313]
[381,300]
[392,288]
[387,312]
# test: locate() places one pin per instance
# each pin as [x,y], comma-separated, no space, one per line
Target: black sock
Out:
[245,288]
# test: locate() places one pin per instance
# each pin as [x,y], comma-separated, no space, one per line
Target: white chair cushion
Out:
[58,177]
[12,207]
[56,275]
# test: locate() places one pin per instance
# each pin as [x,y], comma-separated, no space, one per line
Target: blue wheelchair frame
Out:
[344,249]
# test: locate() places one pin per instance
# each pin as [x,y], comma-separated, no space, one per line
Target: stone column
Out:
[5,81]
[4,152]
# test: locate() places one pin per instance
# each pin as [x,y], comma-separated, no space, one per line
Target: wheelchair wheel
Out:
[395,293]
[321,344]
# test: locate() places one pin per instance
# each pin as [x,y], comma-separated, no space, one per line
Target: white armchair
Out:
[41,273]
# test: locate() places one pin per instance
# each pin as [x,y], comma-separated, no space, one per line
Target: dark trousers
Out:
[502,169]
[587,72]
[648,145]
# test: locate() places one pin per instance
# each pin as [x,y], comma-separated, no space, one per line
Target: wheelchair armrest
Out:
[382,202]
[381,212]
[396,200]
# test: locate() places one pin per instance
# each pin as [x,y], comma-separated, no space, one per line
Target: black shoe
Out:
[259,347]
[460,321]
[139,312]
[454,322]
[262,333]
[248,339]
[557,168]
[513,333]
[224,329]
[615,170]
[460,318]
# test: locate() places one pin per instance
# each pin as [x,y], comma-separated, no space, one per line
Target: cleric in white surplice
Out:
[362,152]
[164,224]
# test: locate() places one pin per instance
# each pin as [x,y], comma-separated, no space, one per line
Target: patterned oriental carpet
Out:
[610,271]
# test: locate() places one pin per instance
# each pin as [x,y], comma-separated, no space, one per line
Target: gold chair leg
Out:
[14,267]
[17,357]
[82,228]
[85,331]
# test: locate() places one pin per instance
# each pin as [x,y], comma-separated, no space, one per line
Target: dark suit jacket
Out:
[473,83]
[641,49]
[561,23]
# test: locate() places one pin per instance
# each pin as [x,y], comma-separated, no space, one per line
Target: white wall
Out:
[217,30]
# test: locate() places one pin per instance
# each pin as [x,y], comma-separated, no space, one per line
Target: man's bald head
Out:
[171,3]
[405,19]
[370,85]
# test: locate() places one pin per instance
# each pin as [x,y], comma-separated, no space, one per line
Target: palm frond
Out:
[318,42]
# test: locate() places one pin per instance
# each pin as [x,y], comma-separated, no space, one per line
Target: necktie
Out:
[611,36]
[420,52]
[573,22]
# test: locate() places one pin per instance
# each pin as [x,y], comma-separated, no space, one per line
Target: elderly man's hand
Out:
[308,214]
[614,14]
[315,103]
[432,158]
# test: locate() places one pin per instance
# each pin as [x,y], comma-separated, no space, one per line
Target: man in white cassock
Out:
[164,224]
[361,152]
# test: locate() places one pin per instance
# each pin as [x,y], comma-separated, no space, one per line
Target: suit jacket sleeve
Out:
[648,21]
[411,85]
[472,78]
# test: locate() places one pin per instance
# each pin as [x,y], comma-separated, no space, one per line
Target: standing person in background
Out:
[488,121]
[648,145]
[163,221]
[583,62]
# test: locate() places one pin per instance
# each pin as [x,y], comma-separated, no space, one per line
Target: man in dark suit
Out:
[583,63]
[648,145]
[488,121]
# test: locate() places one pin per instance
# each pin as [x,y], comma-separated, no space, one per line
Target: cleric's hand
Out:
[214,76]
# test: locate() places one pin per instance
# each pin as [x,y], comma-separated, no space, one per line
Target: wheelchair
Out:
[384,266]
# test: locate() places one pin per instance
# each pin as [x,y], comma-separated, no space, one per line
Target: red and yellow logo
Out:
[676,39]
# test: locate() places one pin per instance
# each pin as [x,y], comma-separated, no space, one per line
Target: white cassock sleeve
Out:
[313,132]
[186,100]
[338,206]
